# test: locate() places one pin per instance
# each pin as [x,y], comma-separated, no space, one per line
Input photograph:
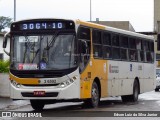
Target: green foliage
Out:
[4,66]
[5,22]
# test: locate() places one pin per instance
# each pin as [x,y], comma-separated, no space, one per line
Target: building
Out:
[125,25]
[157,25]
[3,56]
[157,16]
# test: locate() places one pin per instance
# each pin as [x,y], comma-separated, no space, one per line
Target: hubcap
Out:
[95,95]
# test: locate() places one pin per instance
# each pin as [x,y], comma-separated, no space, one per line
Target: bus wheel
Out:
[95,97]
[134,96]
[156,90]
[37,104]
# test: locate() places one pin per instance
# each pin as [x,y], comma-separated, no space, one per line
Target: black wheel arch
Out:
[97,80]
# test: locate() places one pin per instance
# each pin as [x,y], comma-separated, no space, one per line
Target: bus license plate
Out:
[39,93]
[48,81]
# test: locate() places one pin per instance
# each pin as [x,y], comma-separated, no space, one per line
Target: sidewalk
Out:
[8,104]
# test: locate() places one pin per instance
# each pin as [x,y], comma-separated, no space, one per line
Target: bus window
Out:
[84,46]
[138,44]
[106,38]
[151,46]
[97,44]
[140,55]
[106,52]
[124,41]
[106,45]
[133,55]
[124,54]
[97,37]
[84,33]
[149,57]
[115,40]
[115,47]
[132,43]
[145,46]
[97,51]
[150,52]
[139,50]
[116,53]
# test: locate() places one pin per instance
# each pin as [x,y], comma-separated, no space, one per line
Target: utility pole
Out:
[90,10]
[14,10]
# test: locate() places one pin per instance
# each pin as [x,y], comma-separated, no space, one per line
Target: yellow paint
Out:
[158,64]
[97,71]
[90,24]
[24,80]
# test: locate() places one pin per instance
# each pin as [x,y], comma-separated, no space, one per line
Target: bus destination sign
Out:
[31,25]
[42,26]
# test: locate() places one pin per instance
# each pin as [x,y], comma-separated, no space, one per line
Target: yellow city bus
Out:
[53,60]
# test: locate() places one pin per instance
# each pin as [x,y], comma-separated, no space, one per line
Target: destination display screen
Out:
[29,25]
[44,25]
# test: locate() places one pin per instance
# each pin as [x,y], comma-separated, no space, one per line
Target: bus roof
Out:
[112,29]
[98,26]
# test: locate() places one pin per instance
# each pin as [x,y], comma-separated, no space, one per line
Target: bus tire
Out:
[37,105]
[134,96]
[156,90]
[93,102]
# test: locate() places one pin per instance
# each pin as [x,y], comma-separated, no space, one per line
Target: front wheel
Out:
[95,97]
[37,104]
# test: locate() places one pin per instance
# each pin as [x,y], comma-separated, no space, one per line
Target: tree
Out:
[5,22]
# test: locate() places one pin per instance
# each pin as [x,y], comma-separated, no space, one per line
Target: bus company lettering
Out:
[113,69]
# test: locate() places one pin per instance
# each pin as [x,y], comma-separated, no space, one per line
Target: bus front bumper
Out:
[45,93]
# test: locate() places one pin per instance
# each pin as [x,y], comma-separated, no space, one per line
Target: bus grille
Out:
[42,73]
[52,94]
[35,74]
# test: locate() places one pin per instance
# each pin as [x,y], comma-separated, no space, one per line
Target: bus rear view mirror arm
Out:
[6,52]
[6,37]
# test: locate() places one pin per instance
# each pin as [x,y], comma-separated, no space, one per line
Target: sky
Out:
[140,13]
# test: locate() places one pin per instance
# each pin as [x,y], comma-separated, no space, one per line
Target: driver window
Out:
[84,46]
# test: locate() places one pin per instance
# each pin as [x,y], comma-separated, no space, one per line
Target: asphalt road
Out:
[113,106]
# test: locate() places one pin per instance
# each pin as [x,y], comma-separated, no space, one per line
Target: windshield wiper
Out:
[52,41]
[49,45]
[42,37]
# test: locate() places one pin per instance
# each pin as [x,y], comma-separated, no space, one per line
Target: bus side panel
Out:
[149,77]
[121,77]
[127,74]
[95,69]
[113,78]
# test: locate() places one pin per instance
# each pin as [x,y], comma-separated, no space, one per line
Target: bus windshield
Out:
[43,52]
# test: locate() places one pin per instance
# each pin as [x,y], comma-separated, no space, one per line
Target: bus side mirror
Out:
[158,42]
[6,37]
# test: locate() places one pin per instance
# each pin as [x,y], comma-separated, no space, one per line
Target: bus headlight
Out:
[67,82]
[14,83]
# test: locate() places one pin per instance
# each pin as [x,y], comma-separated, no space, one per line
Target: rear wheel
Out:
[95,97]
[156,90]
[134,96]
[37,104]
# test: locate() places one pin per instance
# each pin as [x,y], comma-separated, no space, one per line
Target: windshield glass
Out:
[43,52]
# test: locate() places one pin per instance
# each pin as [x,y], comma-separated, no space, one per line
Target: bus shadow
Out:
[82,107]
